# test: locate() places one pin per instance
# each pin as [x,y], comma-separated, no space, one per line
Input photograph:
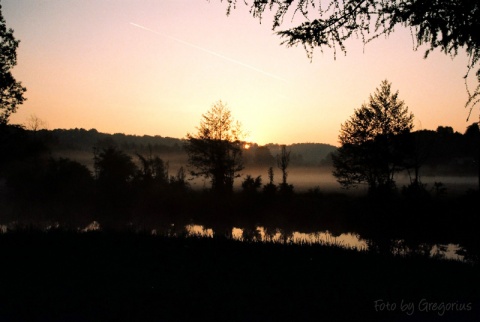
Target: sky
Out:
[153,67]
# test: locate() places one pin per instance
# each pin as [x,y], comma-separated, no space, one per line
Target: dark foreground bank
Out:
[99,276]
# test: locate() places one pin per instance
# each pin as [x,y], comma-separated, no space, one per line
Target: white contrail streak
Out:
[213,53]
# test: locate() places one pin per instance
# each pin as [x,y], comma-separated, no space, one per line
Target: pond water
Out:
[346,240]
[260,234]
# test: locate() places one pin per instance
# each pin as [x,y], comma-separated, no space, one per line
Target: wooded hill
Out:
[81,142]
[441,152]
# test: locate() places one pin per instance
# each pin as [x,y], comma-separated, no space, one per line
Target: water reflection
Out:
[93,226]
[199,230]
[285,236]
[345,240]
[450,251]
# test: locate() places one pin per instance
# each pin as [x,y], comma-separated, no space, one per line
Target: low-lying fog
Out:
[307,178]
[302,178]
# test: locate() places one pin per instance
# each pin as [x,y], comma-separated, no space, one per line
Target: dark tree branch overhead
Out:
[448,25]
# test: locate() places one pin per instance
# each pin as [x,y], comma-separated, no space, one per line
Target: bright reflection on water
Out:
[198,230]
[447,251]
[93,226]
[346,240]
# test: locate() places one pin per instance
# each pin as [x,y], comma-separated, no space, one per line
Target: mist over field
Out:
[310,164]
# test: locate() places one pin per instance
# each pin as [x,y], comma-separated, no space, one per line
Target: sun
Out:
[246,146]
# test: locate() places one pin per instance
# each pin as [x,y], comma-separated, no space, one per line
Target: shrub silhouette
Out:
[251,185]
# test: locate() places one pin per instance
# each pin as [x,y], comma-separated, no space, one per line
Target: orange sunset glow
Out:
[153,67]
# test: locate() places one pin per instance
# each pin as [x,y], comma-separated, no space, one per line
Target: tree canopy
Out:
[215,152]
[113,167]
[11,91]
[369,152]
[448,25]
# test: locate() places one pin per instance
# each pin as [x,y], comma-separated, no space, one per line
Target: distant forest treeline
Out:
[442,151]
[61,141]
[446,152]
[85,140]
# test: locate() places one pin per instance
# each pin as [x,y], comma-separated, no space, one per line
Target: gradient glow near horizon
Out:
[154,67]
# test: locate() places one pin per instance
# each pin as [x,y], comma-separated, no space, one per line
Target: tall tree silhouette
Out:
[11,91]
[270,188]
[283,161]
[369,153]
[215,152]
